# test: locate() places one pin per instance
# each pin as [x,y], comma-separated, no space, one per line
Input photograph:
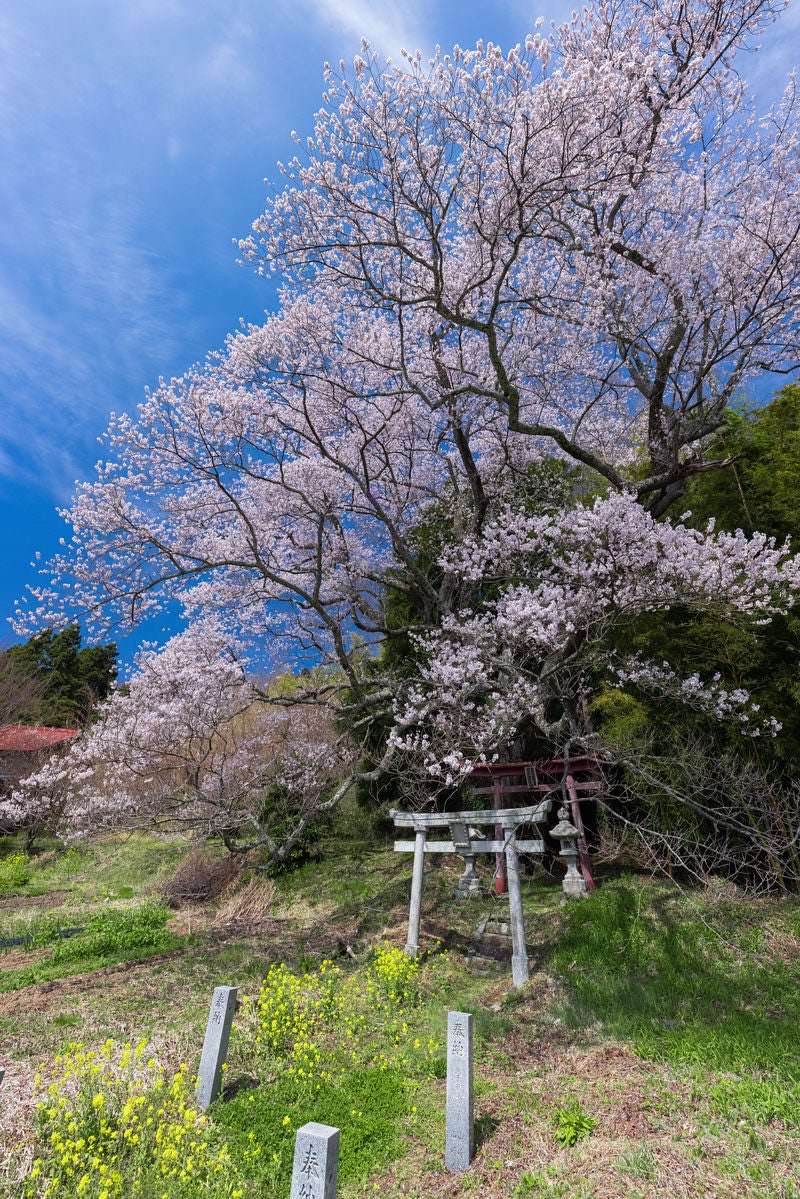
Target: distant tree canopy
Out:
[760,489]
[51,680]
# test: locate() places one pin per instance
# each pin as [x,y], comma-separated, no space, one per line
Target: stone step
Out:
[498,927]
[478,963]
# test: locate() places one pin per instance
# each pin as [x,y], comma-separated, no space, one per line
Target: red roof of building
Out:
[26,738]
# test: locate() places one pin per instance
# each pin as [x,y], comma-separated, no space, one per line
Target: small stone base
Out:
[469,885]
[471,891]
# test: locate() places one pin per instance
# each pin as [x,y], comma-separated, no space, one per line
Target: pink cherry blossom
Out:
[573,253]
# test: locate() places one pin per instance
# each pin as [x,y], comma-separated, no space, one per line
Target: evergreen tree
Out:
[57,682]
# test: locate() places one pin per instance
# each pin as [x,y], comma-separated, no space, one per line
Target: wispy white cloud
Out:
[768,70]
[67,342]
[389,27]
[109,117]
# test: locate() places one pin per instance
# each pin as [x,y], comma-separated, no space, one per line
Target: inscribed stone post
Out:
[459,1143]
[316,1162]
[215,1045]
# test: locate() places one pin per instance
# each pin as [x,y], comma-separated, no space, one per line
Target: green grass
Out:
[655,974]
[118,867]
[366,1105]
[757,1100]
[696,988]
[109,937]
[639,1162]
[689,992]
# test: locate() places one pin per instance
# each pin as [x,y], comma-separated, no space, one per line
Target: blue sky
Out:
[135,136]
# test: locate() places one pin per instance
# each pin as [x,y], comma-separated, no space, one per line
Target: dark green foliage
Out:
[757,492]
[408,607]
[277,812]
[58,682]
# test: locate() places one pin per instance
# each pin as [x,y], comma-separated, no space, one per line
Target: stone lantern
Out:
[574,882]
[469,885]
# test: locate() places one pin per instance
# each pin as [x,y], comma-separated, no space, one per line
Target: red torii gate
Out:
[561,773]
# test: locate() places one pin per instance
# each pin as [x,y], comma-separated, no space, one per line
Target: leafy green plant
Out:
[15,871]
[117,931]
[572,1124]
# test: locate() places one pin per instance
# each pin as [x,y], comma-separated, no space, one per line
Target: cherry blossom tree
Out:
[574,254]
[569,579]
[187,746]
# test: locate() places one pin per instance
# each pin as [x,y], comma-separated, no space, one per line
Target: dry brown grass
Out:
[254,901]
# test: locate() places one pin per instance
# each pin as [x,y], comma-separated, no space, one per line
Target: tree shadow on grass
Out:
[485,1128]
[235,1086]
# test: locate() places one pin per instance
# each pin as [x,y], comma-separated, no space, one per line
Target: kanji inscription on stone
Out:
[215,1045]
[459,1142]
[316,1162]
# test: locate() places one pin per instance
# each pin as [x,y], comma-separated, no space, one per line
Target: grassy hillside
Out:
[654,1051]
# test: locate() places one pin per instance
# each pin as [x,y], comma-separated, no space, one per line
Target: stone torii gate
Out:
[465,843]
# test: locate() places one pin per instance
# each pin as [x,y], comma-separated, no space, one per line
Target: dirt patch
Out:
[18,1102]
[42,997]
[272,940]
[280,940]
[18,959]
[782,944]
[53,899]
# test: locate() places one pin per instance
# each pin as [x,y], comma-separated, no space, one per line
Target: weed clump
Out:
[572,1124]
[251,902]
[15,871]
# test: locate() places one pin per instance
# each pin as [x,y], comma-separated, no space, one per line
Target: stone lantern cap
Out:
[564,830]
